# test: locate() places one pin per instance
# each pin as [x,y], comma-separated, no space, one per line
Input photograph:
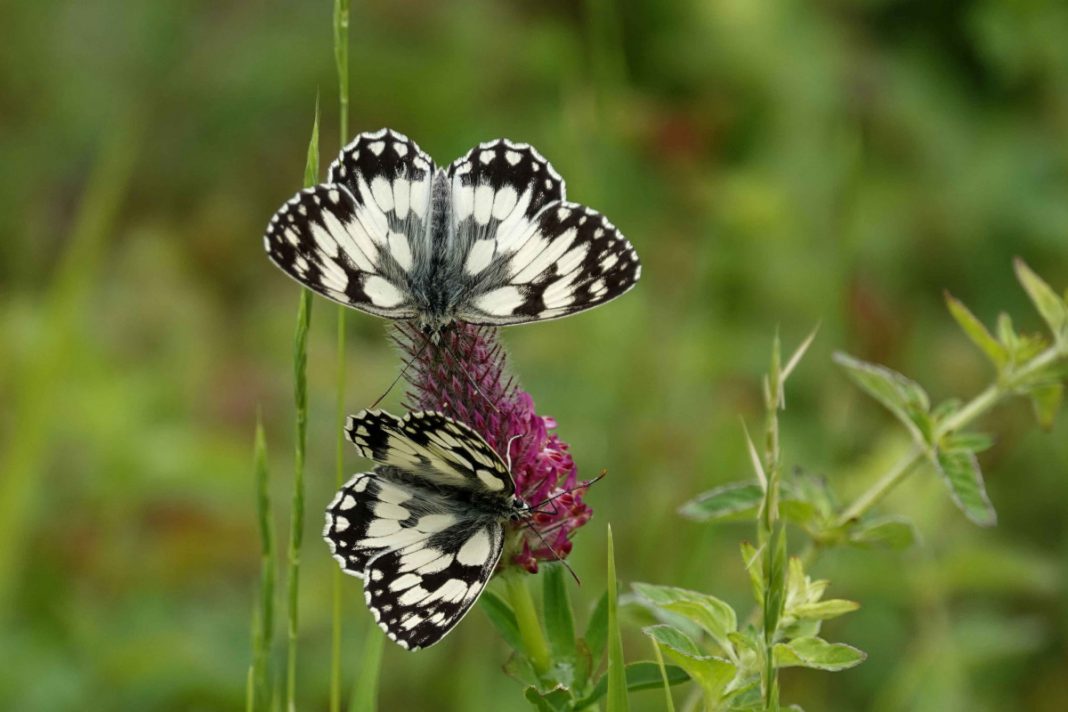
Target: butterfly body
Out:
[489,239]
[426,528]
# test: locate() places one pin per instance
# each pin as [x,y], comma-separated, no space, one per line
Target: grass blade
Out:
[669,702]
[559,620]
[365,693]
[617,673]
[341,59]
[263,635]
[35,391]
[300,396]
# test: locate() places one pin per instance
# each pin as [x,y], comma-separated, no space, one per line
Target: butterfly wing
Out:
[525,253]
[439,449]
[358,238]
[423,560]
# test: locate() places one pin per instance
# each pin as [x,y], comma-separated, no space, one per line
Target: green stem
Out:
[341,59]
[296,515]
[970,411]
[300,397]
[530,631]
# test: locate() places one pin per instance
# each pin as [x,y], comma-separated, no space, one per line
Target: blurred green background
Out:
[776,163]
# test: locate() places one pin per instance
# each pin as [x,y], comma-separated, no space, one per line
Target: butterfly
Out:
[424,529]
[488,240]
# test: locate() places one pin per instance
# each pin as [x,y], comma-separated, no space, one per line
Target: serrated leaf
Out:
[723,503]
[717,618]
[1046,403]
[1052,308]
[555,700]
[902,396]
[502,617]
[971,442]
[559,620]
[824,610]
[644,675]
[891,532]
[977,332]
[711,673]
[960,472]
[816,653]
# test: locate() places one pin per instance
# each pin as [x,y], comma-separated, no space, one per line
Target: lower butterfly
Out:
[425,529]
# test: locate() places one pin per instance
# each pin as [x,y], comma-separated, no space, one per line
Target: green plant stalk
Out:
[264,621]
[616,700]
[365,691]
[35,396]
[300,397]
[534,643]
[768,517]
[989,397]
[341,59]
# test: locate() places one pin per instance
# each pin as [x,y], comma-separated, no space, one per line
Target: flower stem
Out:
[534,644]
[977,406]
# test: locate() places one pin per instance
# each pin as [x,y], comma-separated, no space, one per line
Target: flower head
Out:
[464,376]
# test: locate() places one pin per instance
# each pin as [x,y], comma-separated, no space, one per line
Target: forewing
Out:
[419,592]
[359,238]
[439,449]
[525,253]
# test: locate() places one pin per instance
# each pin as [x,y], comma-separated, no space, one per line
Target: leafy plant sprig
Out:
[736,668]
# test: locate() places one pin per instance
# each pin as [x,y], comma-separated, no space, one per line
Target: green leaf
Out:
[970,442]
[644,675]
[960,472]
[752,561]
[824,610]
[1046,402]
[978,333]
[816,653]
[798,354]
[711,673]
[891,532]
[774,579]
[902,396]
[554,700]
[503,618]
[559,621]
[597,629]
[617,679]
[1052,308]
[735,501]
[713,615]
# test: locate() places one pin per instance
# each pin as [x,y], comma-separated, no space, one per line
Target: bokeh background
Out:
[777,164]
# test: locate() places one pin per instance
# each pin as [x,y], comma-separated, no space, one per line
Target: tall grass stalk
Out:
[35,392]
[263,623]
[300,394]
[341,59]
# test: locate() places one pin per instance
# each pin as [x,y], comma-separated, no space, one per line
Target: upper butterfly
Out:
[488,240]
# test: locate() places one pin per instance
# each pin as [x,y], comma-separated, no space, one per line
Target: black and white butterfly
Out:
[424,529]
[488,240]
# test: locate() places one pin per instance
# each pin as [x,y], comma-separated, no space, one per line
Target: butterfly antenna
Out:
[531,527]
[448,349]
[404,369]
